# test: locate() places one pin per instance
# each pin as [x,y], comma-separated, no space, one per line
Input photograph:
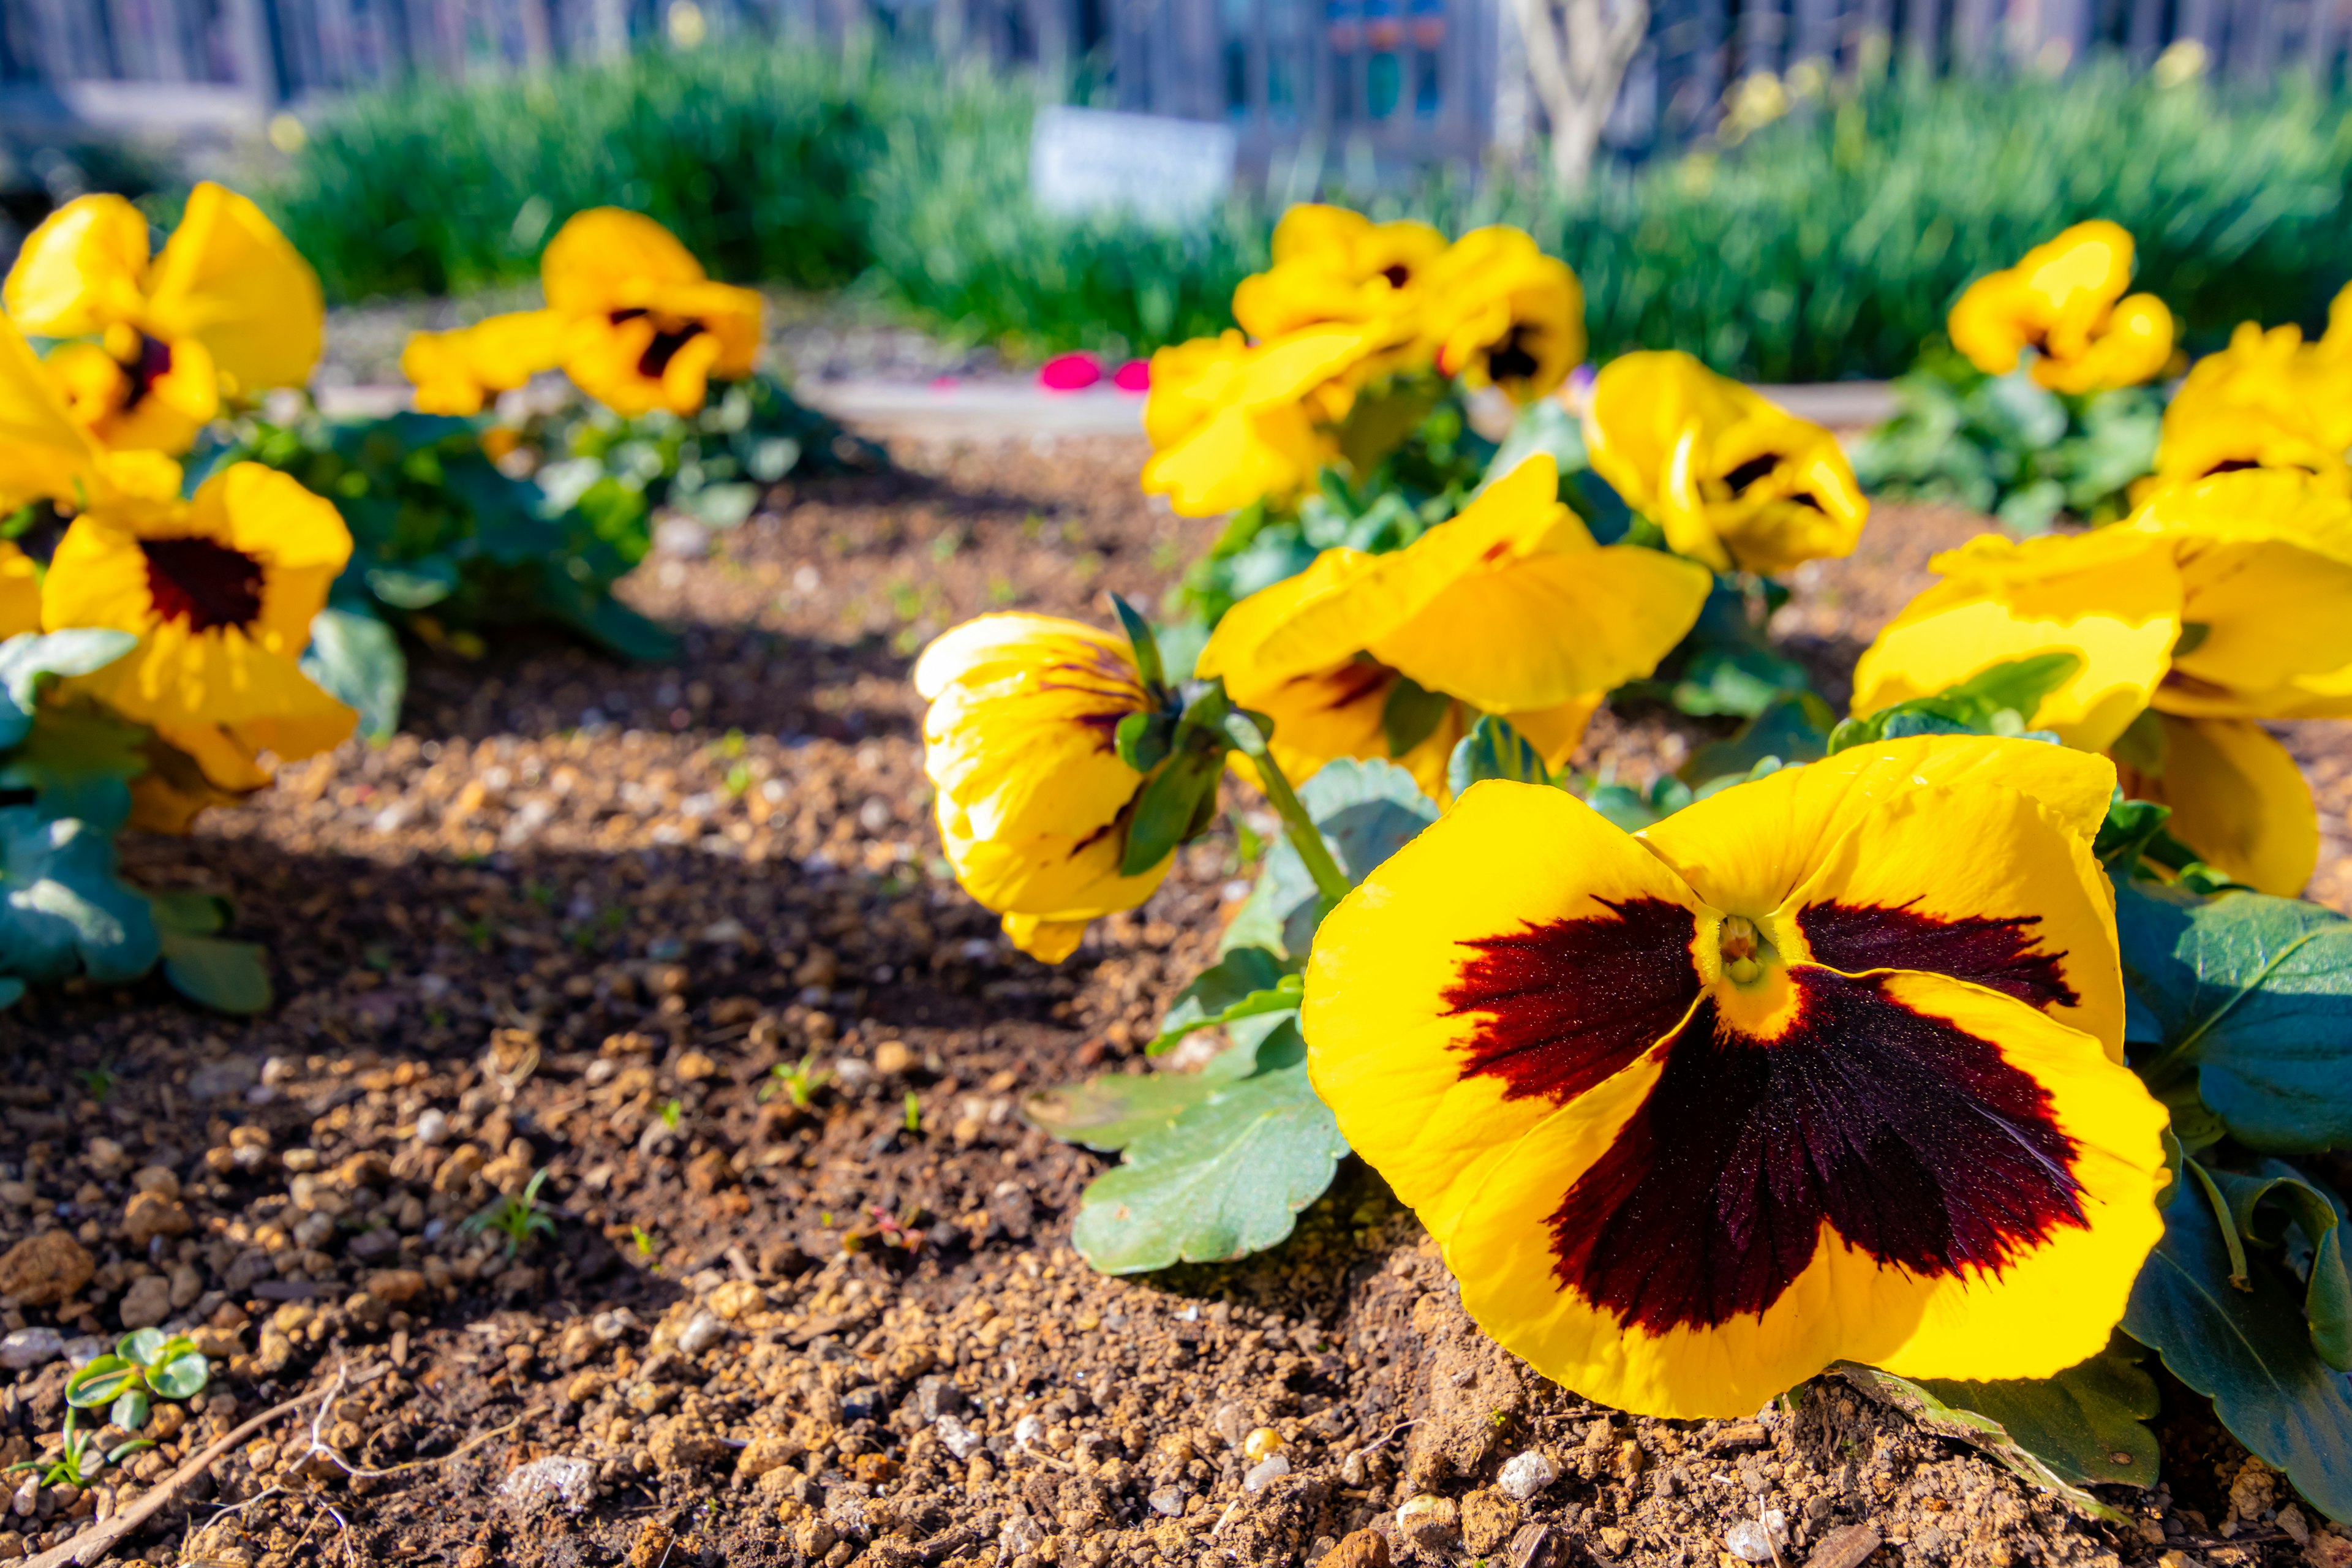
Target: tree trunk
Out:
[1578,52]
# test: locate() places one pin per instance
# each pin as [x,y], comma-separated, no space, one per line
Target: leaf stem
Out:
[2239,1272]
[1299,827]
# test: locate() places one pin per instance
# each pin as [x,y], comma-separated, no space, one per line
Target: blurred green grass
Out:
[1827,244]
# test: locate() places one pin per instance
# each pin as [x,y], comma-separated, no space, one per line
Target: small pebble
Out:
[958,1438]
[704,1330]
[1264,1443]
[1748,1542]
[1524,1475]
[1429,1522]
[1027,1431]
[1266,1472]
[432,1126]
[1167,1501]
[28,1347]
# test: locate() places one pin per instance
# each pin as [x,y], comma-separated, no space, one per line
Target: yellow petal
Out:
[82,269]
[43,452]
[456,372]
[2112,598]
[20,592]
[1419,1086]
[228,279]
[608,259]
[2238,799]
[1048,940]
[1497,312]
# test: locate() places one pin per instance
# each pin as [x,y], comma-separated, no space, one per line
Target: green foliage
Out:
[516,1217]
[797,1081]
[754,157]
[1493,749]
[63,910]
[1367,811]
[146,1362]
[80,1460]
[203,966]
[1997,702]
[2006,446]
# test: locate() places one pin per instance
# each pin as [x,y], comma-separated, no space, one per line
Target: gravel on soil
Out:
[679,938]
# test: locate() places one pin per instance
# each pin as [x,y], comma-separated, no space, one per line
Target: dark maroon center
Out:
[1512,359]
[153,364]
[1397,274]
[655,362]
[1913,1139]
[200,582]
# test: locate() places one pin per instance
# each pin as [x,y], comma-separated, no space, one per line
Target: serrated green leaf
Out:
[1239,972]
[1493,749]
[31,658]
[1221,1181]
[2088,1424]
[1366,811]
[2250,994]
[231,976]
[2248,1349]
[63,908]
[356,659]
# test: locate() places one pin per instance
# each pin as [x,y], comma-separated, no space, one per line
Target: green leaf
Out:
[2052,1416]
[1366,811]
[231,976]
[63,908]
[355,658]
[2316,1252]
[192,911]
[2250,1349]
[1238,973]
[143,1345]
[1740,681]
[1143,740]
[1140,638]
[1411,714]
[1493,749]
[2251,994]
[30,658]
[102,1382]
[1793,727]
[1168,806]
[718,506]
[1996,701]
[1544,427]
[415,585]
[1222,1180]
[2088,1424]
[1633,810]
[129,1410]
[1284,997]
[80,761]
[181,1377]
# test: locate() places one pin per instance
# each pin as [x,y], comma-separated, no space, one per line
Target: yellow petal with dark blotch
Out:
[2034,920]
[2238,799]
[1519,950]
[1516,516]
[82,269]
[2110,597]
[230,280]
[608,259]
[1542,631]
[1747,850]
[1779,1207]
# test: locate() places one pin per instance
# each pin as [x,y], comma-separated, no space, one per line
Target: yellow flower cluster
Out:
[220,588]
[2270,400]
[2065,301]
[631,318]
[1347,306]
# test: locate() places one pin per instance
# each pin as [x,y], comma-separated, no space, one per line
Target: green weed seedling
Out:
[800,1081]
[518,1216]
[78,1464]
[145,1365]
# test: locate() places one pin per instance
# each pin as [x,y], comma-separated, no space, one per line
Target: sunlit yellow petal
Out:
[1050,941]
[1497,312]
[2112,598]
[82,269]
[2237,798]
[2133,346]
[20,592]
[228,279]
[608,259]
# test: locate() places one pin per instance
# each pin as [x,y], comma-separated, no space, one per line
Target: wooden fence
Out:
[1350,79]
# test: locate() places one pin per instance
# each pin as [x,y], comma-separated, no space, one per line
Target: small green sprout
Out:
[96,1082]
[914,1112]
[78,1464]
[642,1240]
[144,1365]
[673,1111]
[738,780]
[801,1082]
[516,1217]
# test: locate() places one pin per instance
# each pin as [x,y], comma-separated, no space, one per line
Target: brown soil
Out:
[577,917]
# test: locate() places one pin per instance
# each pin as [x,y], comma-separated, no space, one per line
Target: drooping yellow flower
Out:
[1497,312]
[631,318]
[2268,401]
[2066,300]
[1333,265]
[1732,479]
[220,591]
[1780,1081]
[228,308]
[1509,608]
[1020,742]
[2216,605]
[1230,422]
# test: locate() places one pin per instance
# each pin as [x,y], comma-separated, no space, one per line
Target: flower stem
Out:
[1297,825]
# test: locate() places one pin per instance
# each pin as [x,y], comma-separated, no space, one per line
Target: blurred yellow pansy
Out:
[2065,300]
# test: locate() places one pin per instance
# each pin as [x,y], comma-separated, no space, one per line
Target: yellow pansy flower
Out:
[1732,479]
[631,318]
[1508,608]
[1020,742]
[227,307]
[2066,300]
[1230,422]
[2269,401]
[220,591]
[1497,312]
[2216,605]
[1778,1082]
[1333,265]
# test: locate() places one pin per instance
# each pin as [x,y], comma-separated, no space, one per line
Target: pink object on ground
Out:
[944,383]
[1069,373]
[1135,375]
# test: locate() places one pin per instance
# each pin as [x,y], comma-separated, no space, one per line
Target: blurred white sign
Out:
[1083,161]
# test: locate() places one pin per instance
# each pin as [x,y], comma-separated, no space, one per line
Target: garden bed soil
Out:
[576,916]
